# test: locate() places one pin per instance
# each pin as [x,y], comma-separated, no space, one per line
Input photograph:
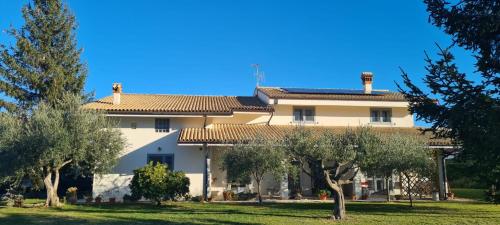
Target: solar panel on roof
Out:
[329,91]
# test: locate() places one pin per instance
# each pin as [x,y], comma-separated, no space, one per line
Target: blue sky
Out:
[207,47]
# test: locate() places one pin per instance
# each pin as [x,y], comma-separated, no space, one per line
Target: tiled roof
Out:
[281,93]
[150,103]
[233,133]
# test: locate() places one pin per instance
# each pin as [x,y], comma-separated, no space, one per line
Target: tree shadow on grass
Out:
[194,209]
[26,219]
[364,207]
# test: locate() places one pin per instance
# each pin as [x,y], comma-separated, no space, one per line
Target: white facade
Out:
[142,139]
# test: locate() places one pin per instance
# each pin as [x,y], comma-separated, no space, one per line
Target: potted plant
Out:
[228,195]
[98,199]
[71,195]
[89,199]
[323,194]
[451,195]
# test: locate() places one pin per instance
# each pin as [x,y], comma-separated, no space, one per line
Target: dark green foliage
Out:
[177,185]
[156,182]
[466,111]
[45,61]
[130,198]
[459,175]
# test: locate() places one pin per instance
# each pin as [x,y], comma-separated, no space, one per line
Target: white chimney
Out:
[367,79]
[117,91]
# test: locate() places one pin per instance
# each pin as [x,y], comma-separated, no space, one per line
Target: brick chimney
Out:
[367,79]
[117,91]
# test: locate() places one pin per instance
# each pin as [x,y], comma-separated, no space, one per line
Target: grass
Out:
[250,214]
[476,194]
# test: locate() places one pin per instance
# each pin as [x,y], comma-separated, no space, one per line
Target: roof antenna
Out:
[259,76]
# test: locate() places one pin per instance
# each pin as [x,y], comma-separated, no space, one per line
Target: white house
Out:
[187,131]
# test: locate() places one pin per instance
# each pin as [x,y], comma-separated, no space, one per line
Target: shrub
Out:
[11,198]
[243,196]
[198,198]
[130,198]
[156,182]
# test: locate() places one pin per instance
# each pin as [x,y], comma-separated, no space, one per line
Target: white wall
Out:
[190,159]
[143,141]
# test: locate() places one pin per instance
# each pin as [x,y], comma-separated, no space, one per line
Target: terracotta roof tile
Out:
[232,133]
[281,93]
[150,103]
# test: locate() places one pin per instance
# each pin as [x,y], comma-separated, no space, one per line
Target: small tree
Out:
[156,182]
[254,159]
[337,154]
[381,160]
[54,136]
[411,157]
[298,143]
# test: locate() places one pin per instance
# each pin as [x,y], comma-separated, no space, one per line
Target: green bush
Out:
[156,182]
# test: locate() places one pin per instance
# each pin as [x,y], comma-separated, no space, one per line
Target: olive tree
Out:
[53,136]
[406,154]
[338,154]
[381,161]
[255,158]
[410,156]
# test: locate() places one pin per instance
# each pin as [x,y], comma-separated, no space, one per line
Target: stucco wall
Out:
[143,141]
[190,159]
[342,116]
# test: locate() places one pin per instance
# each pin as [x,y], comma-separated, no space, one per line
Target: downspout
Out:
[269,120]
[272,113]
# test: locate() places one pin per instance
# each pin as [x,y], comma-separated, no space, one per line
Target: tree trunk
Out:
[258,191]
[338,196]
[387,183]
[51,187]
[409,189]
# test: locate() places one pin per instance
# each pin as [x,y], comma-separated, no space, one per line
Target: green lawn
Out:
[242,214]
[476,194]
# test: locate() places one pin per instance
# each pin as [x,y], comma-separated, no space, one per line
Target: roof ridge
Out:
[321,88]
[185,95]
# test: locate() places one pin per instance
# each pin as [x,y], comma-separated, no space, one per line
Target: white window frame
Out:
[163,155]
[380,112]
[303,115]
[162,130]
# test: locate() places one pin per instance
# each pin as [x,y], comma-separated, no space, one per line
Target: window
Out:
[167,159]
[380,116]
[303,115]
[162,125]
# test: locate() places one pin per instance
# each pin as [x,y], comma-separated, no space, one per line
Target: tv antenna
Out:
[259,76]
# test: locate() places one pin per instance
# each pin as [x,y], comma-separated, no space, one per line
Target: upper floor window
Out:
[167,159]
[303,115]
[380,116]
[162,125]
